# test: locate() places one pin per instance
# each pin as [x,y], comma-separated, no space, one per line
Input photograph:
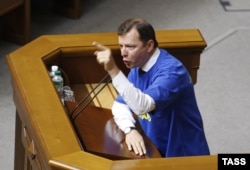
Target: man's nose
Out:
[123,51]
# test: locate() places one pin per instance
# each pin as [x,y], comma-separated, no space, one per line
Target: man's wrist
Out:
[114,72]
[128,129]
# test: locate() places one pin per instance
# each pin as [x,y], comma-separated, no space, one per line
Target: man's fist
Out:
[104,57]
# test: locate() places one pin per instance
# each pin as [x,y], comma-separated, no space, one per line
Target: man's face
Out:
[135,53]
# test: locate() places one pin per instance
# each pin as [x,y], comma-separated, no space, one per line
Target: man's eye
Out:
[131,47]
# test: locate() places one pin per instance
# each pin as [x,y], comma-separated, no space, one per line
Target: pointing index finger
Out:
[99,46]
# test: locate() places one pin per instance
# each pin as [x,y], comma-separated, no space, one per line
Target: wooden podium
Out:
[45,136]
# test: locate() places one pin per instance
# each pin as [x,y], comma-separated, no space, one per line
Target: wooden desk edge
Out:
[82,160]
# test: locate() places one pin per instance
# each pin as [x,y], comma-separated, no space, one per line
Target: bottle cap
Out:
[54,68]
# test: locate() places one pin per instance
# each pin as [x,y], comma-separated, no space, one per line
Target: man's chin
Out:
[127,65]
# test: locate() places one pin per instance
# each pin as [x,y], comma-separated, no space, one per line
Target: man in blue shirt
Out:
[158,90]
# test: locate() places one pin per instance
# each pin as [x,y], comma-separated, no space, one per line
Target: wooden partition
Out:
[45,136]
[69,8]
[16,16]
[16,20]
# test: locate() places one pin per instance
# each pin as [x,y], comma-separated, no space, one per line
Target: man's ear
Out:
[150,45]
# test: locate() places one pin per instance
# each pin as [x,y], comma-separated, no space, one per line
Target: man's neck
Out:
[151,61]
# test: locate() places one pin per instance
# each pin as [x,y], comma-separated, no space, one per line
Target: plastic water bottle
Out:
[68,94]
[58,82]
[54,68]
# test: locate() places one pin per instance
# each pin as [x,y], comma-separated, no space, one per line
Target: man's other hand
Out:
[135,142]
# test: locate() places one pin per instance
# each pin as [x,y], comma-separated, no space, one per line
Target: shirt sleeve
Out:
[123,117]
[136,100]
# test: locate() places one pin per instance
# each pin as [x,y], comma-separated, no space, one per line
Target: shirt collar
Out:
[151,61]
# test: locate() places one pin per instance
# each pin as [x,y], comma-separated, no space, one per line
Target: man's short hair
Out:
[145,30]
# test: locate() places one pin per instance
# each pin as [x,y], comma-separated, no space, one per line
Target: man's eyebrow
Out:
[127,44]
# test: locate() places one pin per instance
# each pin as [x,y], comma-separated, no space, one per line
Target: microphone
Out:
[86,98]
